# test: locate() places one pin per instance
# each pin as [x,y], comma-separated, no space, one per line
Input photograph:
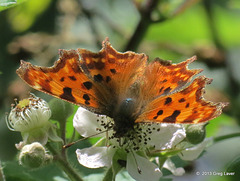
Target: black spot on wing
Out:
[113,71]
[187,105]
[87,84]
[108,79]
[181,100]
[172,118]
[160,112]
[98,78]
[168,100]
[72,78]
[86,98]
[167,90]
[62,79]
[67,94]
[161,89]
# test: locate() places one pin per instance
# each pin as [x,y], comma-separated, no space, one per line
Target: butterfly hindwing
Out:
[186,106]
[162,77]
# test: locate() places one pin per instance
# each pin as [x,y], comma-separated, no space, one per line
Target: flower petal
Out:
[147,169]
[193,153]
[95,157]
[168,164]
[166,136]
[86,124]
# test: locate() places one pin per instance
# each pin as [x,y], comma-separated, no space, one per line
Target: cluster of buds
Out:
[30,117]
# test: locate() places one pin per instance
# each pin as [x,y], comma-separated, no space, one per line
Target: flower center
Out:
[134,139]
[23,103]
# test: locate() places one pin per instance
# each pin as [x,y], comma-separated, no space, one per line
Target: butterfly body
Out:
[124,119]
[125,87]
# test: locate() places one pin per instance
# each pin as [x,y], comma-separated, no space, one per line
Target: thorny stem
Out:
[64,164]
[224,137]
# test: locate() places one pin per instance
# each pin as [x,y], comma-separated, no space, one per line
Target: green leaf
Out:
[69,124]
[15,172]
[95,176]
[214,125]
[5,4]
[233,169]
[118,162]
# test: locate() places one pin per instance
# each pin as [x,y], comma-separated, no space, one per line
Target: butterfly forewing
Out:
[64,80]
[116,72]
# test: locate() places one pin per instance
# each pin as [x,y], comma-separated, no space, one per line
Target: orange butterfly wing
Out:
[116,71]
[101,81]
[186,106]
[162,78]
[97,81]
[64,80]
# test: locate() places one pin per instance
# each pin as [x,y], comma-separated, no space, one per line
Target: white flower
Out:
[31,118]
[146,136]
[28,114]
[192,153]
[168,164]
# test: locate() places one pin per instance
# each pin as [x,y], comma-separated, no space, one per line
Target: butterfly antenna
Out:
[72,143]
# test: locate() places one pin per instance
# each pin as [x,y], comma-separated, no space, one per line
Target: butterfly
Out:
[126,87]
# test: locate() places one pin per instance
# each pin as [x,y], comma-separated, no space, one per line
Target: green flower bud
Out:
[34,156]
[61,110]
[195,133]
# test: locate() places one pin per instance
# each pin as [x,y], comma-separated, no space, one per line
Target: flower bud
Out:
[34,156]
[195,134]
[61,110]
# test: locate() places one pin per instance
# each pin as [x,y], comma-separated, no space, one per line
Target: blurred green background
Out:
[175,30]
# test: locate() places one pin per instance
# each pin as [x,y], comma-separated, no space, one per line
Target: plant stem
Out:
[64,164]
[109,175]
[63,136]
[142,26]
[221,138]
[2,177]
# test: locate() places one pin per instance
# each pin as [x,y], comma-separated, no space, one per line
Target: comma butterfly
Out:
[125,87]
